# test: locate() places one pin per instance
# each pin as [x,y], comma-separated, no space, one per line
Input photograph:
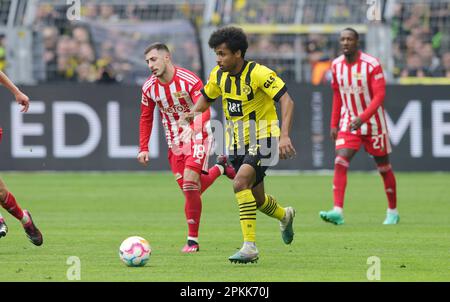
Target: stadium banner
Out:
[91,127]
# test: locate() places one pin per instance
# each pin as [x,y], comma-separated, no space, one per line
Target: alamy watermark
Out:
[374,270]
[241,138]
[374,10]
[73,12]
[74,271]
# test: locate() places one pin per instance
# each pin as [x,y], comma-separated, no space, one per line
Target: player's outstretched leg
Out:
[228,169]
[31,230]
[8,202]
[3,227]
[271,208]
[222,167]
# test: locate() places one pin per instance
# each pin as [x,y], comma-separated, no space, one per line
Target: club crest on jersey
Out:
[246,89]
[357,76]
[180,94]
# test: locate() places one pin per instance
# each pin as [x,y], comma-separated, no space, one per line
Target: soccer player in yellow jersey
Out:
[249,92]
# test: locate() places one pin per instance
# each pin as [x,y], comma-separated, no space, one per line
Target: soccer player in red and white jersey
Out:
[7,199]
[174,90]
[358,119]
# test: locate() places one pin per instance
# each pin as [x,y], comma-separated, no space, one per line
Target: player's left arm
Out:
[274,87]
[377,86]
[287,150]
[20,97]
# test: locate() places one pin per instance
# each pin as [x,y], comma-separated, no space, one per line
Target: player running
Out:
[358,118]
[175,90]
[249,92]
[7,199]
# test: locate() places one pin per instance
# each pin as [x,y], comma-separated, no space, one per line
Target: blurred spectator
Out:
[107,13]
[420,34]
[414,67]
[321,68]
[71,54]
[50,37]
[444,69]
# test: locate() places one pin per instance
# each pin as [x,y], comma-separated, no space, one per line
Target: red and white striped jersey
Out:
[359,89]
[172,98]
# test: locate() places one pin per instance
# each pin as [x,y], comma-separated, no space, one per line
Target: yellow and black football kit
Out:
[248,100]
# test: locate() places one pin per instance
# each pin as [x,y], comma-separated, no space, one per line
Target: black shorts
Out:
[260,156]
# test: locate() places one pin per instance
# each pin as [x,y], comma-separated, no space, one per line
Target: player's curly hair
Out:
[233,37]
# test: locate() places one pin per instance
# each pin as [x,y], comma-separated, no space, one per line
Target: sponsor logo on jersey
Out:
[180,94]
[175,109]
[234,107]
[269,81]
[352,90]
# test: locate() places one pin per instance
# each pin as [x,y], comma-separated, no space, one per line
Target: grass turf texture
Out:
[88,216]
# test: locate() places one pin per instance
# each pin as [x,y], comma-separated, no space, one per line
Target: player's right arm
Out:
[20,97]
[337,104]
[145,128]
[210,92]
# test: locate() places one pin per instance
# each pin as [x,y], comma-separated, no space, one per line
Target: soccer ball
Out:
[135,251]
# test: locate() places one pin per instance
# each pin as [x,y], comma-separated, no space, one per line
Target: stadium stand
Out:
[296,38]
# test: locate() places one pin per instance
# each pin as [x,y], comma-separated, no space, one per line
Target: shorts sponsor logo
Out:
[340,141]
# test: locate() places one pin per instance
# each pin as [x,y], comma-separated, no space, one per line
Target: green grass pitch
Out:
[89,214]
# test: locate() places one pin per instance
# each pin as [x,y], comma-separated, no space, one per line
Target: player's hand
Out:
[187,134]
[356,123]
[143,158]
[23,100]
[286,148]
[186,118]
[333,133]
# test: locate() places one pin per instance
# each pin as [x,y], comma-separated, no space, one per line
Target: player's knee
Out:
[241,183]
[190,186]
[341,160]
[384,168]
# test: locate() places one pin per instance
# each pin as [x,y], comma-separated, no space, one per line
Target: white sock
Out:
[392,211]
[193,238]
[339,210]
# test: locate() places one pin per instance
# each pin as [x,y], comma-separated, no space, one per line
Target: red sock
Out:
[390,185]
[341,165]
[10,204]
[207,180]
[192,207]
